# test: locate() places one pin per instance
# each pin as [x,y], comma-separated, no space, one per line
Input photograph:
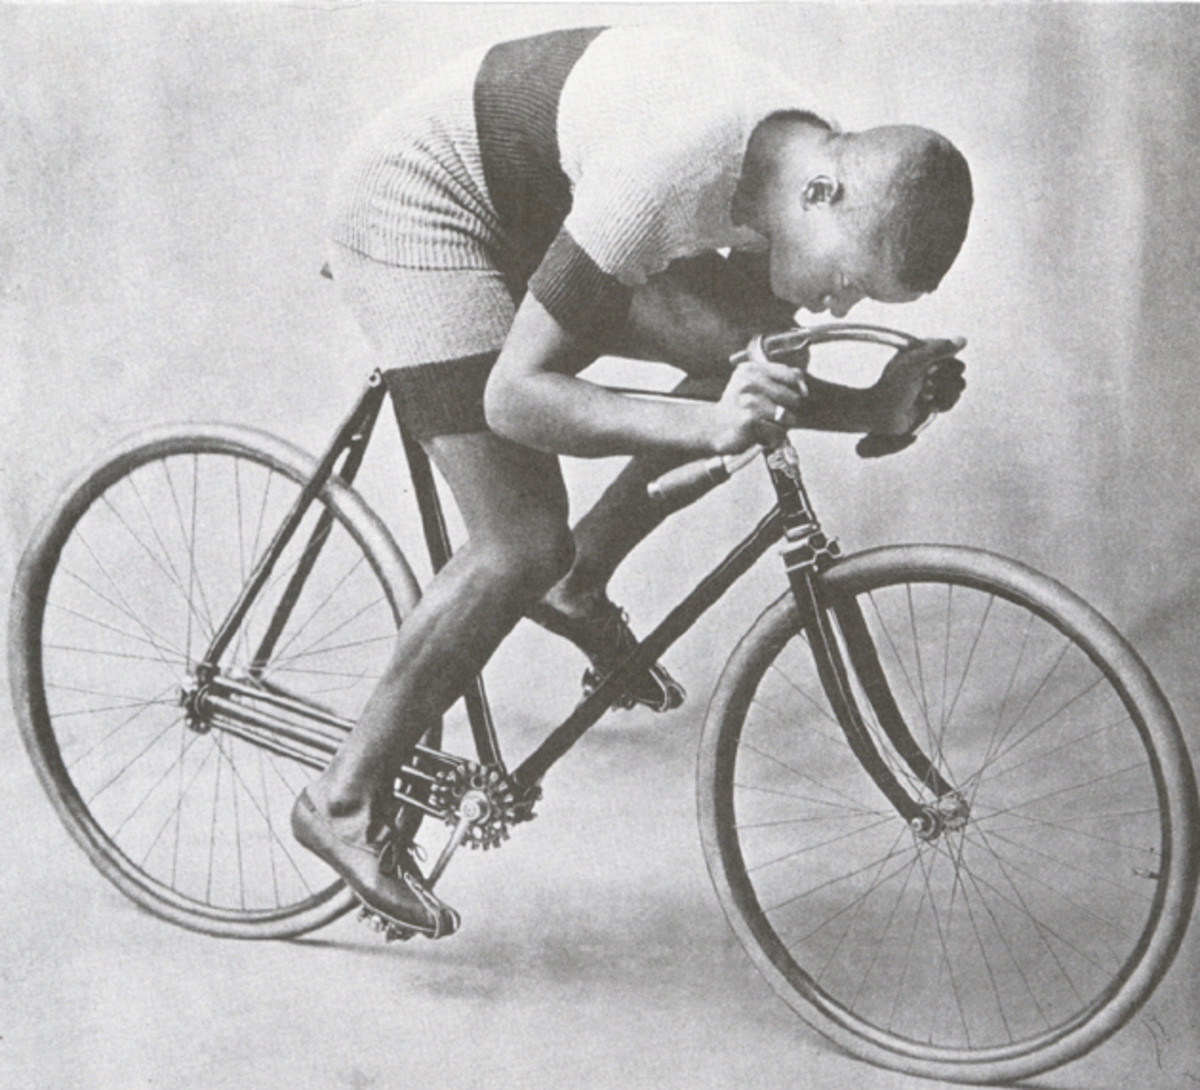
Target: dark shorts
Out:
[443,398]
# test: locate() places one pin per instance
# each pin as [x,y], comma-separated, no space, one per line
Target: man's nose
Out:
[841,304]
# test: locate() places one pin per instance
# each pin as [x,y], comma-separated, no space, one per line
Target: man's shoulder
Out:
[669,64]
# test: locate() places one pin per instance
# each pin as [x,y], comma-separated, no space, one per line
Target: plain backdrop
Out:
[163,173]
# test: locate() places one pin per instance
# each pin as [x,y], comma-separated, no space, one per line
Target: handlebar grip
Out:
[686,484]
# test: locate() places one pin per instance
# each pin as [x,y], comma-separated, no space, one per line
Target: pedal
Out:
[391,931]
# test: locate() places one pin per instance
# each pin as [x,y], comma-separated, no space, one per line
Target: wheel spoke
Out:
[819,844]
[162,647]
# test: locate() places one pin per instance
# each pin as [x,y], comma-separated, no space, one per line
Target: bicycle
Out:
[945,806]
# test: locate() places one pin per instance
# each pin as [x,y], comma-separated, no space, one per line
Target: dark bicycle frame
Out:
[806,552]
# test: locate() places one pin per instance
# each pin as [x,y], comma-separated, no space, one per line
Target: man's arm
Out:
[534,398]
[694,316]
[915,382]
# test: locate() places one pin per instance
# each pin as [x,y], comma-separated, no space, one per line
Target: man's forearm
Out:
[565,415]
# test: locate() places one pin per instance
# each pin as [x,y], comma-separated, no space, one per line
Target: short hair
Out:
[806,116]
[931,206]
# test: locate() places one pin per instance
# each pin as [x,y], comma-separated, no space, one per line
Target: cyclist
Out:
[550,200]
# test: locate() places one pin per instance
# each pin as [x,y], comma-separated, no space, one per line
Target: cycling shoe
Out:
[606,638]
[383,875]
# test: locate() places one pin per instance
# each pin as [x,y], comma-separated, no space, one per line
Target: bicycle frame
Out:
[1059,861]
[806,552]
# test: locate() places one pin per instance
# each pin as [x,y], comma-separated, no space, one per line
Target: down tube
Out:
[675,624]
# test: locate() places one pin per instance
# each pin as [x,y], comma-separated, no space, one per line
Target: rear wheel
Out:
[117,597]
[1059,876]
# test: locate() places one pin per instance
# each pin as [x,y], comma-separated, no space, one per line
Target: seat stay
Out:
[360,417]
[355,450]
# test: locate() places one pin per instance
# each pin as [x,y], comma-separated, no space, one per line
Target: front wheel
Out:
[1050,888]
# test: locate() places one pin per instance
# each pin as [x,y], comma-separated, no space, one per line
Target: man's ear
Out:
[822,190]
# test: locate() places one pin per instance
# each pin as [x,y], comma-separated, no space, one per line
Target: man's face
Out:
[829,253]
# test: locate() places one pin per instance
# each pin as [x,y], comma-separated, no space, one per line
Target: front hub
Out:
[950,813]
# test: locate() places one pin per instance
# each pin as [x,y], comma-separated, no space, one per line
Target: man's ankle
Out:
[345,808]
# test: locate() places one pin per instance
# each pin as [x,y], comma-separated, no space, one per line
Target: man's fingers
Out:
[932,350]
[779,394]
[942,387]
[946,397]
[949,367]
[769,384]
[784,375]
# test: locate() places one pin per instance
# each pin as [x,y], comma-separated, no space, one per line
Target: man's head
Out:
[877,214]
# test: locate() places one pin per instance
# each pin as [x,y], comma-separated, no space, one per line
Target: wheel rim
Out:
[193,822]
[1068,822]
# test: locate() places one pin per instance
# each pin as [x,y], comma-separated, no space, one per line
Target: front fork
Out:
[806,553]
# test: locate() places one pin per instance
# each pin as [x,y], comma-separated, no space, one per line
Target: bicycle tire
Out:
[117,592]
[1083,866]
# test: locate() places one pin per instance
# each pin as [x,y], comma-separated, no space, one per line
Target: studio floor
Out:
[593,954]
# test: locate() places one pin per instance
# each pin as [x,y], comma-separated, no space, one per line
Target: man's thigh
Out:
[503,490]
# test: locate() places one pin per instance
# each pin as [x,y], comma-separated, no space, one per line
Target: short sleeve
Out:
[578,294]
[617,234]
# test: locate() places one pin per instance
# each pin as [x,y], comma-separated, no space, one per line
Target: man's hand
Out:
[916,382]
[761,401]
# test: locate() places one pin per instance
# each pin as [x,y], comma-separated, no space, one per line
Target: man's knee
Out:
[530,557]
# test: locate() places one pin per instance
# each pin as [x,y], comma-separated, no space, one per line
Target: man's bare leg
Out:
[514,507]
[621,518]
